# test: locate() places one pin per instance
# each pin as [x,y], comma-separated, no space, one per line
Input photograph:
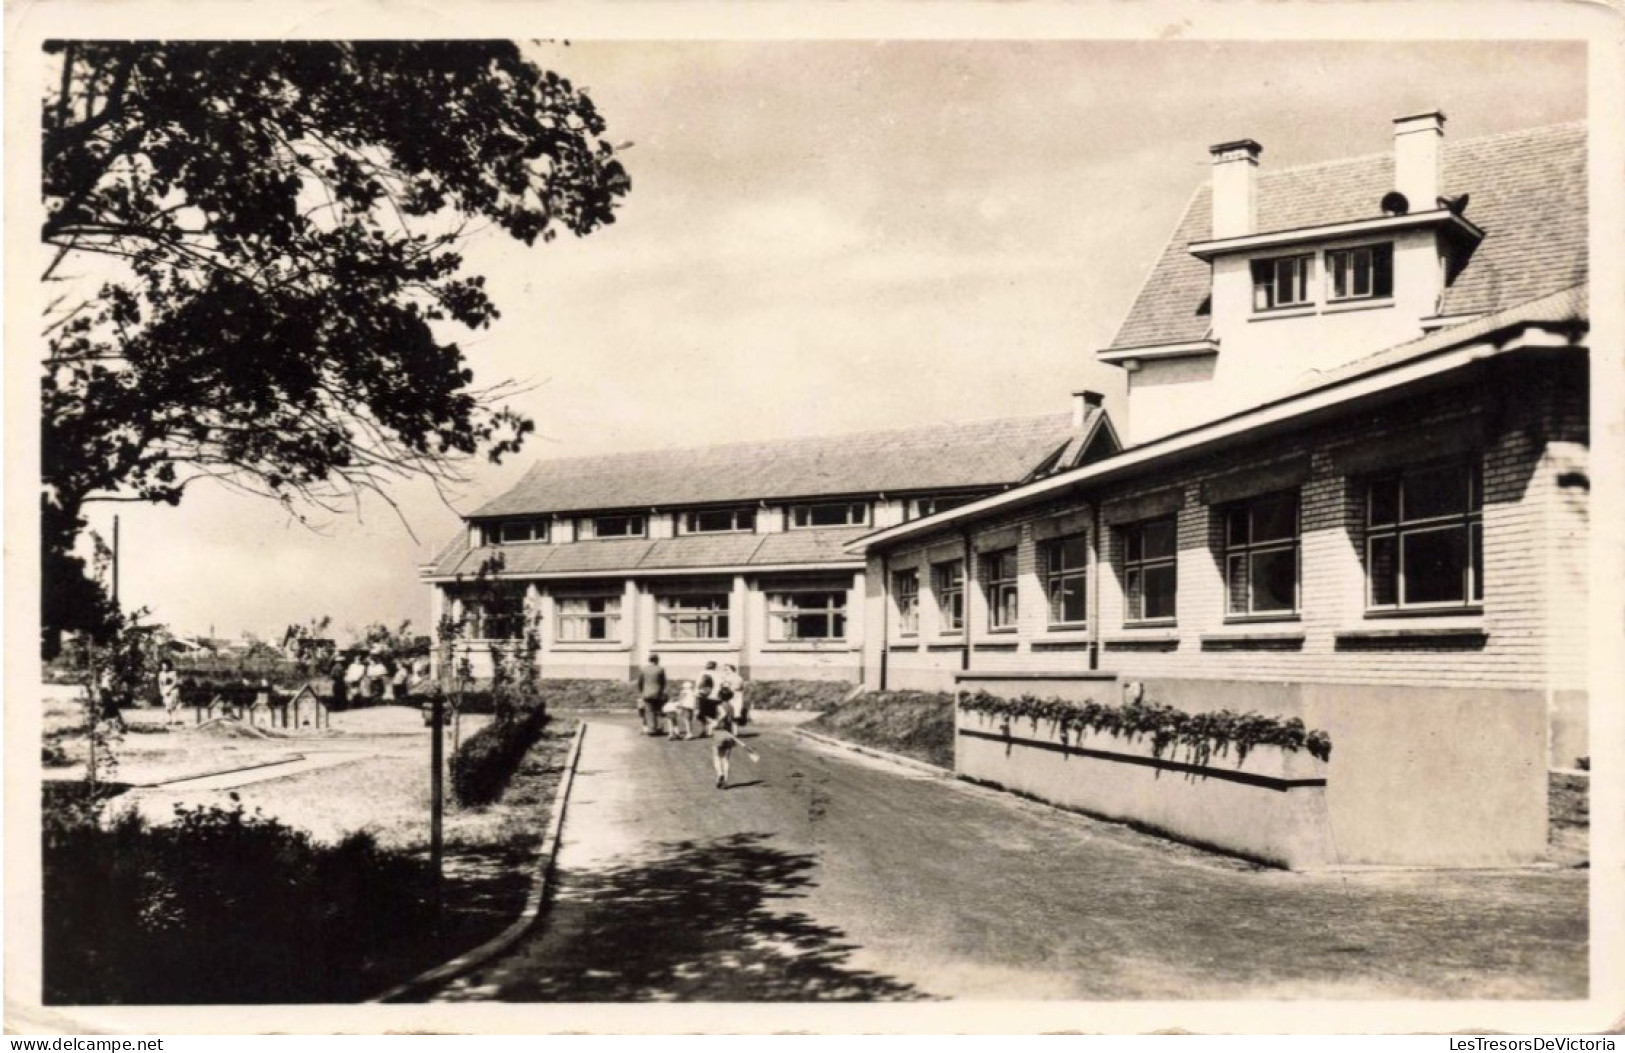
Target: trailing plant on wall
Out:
[1202,735]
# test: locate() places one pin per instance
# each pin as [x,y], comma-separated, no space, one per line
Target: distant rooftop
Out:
[933,457]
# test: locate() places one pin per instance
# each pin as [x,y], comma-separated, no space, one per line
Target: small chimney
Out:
[1416,159]
[1235,188]
[1082,403]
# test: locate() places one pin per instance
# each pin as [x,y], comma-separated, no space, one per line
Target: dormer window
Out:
[718,521]
[1364,273]
[600,527]
[1282,281]
[844,513]
[515,531]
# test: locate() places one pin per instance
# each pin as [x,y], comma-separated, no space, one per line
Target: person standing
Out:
[651,681]
[706,691]
[169,690]
[732,691]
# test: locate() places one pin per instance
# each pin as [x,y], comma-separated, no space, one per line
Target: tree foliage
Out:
[257,247]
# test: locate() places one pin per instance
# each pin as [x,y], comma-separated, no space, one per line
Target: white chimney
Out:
[1416,159]
[1235,188]
[1082,403]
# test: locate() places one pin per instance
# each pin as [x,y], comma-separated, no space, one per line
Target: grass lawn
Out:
[918,724]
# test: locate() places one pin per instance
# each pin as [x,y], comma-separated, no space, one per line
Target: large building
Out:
[1353,491]
[729,553]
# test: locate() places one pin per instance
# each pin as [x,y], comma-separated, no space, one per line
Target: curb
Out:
[531,913]
[878,754]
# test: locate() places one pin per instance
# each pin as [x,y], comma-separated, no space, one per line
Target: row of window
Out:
[716,520]
[1363,273]
[792,616]
[1423,549]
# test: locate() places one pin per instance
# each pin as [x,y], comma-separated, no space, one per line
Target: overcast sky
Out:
[828,237]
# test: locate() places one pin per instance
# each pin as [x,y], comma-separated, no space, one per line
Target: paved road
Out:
[821,875]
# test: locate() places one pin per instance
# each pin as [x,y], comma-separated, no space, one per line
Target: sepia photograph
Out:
[535,514]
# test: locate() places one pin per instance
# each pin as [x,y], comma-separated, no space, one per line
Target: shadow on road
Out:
[696,922]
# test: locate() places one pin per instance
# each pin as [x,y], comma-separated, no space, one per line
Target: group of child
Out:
[715,705]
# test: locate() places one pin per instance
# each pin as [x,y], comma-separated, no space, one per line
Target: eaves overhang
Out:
[1439,217]
[1187,349]
[1282,414]
[430,578]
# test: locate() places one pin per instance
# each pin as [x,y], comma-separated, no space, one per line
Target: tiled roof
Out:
[1528,194]
[792,547]
[974,453]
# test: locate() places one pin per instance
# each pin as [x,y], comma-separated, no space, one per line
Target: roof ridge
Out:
[809,439]
[1447,144]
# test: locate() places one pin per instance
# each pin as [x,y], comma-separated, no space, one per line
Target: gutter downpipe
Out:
[964,601]
[885,617]
[1094,593]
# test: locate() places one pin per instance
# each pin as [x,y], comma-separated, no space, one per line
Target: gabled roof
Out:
[699,552]
[1527,192]
[935,457]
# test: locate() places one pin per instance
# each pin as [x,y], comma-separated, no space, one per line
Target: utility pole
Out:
[437,802]
[115,561]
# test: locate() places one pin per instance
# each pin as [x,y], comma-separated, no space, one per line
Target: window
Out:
[1150,575]
[948,582]
[921,507]
[1360,274]
[844,513]
[1261,556]
[515,531]
[793,616]
[615,526]
[905,589]
[718,521]
[1281,282]
[696,617]
[999,585]
[583,619]
[497,613]
[1425,538]
[1065,563]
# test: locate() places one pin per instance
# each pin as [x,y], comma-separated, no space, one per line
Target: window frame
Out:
[1377,250]
[1140,565]
[805,510]
[1470,522]
[1245,551]
[686,527]
[595,532]
[906,602]
[931,504]
[950,618]
[478,615]
[674,608]
[997,587]
[564,619]
[493,533]
[1052,577]
[782,615]
[1305,281]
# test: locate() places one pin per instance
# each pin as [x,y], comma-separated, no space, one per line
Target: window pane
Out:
[1159,538]
[1435,492]
[1383,572]
[1236,584]
[1074,553]
[1339,263]
[1134,595]
[1133,551]
[1382,268]
[1066,600]
[1275,580]
[1436,565]
[1384,501]
[1159,592]
[1236,527]
[1275,519]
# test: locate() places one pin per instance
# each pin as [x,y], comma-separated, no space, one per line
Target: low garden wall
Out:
[1395,775]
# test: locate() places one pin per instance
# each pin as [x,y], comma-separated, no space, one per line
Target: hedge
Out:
[487,759]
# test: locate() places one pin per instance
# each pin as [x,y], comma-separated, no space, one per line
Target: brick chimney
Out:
[1235,188]
[1416,159]
[1082,403]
